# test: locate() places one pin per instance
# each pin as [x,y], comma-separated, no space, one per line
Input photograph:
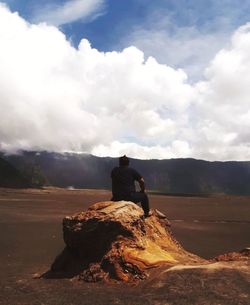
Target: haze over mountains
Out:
[87,171]
[10,176]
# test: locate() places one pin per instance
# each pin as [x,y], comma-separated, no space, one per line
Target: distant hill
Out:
[168,176]
[11,177]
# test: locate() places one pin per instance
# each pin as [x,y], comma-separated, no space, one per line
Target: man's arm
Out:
[139,179]
[142,185]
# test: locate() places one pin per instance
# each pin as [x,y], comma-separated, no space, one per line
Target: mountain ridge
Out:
[167,176]
[11,177]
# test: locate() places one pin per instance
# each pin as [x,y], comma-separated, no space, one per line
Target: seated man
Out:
[123,185]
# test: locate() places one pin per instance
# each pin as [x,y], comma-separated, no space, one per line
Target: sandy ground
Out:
[31,237]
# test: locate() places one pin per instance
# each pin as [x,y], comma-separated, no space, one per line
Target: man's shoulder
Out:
[132,169]
[124,169]
[116,168]
[135,173]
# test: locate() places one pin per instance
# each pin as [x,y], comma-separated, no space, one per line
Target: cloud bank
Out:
[187,34]
[57,97]
[69,12]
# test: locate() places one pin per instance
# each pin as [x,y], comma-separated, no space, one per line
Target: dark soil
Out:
[31,238]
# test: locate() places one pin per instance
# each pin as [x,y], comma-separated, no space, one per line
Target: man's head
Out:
[124,161]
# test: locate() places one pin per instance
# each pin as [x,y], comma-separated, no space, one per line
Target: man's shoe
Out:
[160,214]
[146,215]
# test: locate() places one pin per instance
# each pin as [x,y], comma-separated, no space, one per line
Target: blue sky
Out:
[150,79]
[147,24]
[120,17]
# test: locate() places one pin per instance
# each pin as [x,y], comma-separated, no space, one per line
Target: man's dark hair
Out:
[124,161]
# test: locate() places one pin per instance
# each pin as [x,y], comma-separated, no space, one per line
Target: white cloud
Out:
[187,34]
[69,12]
[56,97]
[116,149]
[182,47]
[223,101]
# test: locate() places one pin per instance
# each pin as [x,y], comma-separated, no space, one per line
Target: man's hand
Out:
[142,185]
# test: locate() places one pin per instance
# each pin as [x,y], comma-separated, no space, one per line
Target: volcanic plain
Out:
[31,237]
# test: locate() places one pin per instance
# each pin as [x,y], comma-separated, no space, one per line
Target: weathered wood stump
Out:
[113,240]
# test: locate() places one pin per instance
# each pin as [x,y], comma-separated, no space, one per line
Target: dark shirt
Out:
[123,182]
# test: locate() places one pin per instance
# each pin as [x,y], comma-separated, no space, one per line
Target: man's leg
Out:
[143,199]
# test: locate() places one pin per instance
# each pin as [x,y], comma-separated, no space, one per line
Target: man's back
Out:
[123,181]
[123,185]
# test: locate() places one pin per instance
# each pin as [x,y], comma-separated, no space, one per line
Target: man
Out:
[123,185]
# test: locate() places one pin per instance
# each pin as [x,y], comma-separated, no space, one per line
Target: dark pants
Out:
[136,197]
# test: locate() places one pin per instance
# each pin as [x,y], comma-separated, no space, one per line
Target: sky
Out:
[150,79]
